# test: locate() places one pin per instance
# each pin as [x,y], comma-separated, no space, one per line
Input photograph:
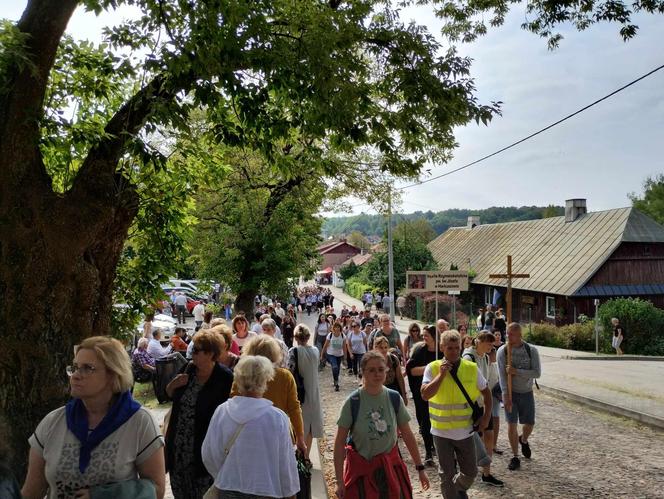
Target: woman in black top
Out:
[196,393]
[422,355]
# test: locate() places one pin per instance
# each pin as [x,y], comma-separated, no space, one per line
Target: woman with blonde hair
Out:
[303,359]
[248,448]
[102,436]
[281,390]
[197,392]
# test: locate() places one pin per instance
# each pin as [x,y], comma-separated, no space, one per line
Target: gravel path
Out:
[577,453]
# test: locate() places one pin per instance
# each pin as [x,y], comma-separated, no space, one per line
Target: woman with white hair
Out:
[101,437]
[142,363]
[303,359]
[270,328]
[248,448]
[281,389]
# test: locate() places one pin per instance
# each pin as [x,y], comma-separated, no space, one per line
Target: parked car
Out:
[165,323]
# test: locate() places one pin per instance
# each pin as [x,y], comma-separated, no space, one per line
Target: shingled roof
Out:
[559,256]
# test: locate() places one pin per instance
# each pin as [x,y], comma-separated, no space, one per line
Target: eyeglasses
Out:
[198,350]
[84,370]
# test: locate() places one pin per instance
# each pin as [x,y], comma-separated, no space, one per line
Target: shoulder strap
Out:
[395,398]
[527,347]
[463,390]
[232,440]
[354,407]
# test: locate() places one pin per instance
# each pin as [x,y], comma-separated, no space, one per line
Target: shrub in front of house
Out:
[643,323]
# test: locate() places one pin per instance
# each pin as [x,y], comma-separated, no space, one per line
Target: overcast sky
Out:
[602,154]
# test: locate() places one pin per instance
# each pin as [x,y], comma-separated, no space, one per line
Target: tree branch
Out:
[21,106]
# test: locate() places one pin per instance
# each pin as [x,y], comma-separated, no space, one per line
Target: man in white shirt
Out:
[154,346]
[279,311]
[180,306]
[452,438]
[199,313]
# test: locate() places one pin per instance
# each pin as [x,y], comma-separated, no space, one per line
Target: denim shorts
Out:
[495,408]
[523,409]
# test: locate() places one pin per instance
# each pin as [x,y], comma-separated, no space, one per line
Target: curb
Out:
[642,417]
[613,357]
[318,485]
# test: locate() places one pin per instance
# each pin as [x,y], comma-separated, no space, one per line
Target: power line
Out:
[468,165]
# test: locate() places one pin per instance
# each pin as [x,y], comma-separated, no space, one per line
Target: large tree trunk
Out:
[58,252]
[244,302]
[54,291]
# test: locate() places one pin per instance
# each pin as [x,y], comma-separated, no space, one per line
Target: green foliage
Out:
[348,271]
[258,227]
[579,336]
[652,201]
[417,231]
[374,225]
[357,285]
[407,256]
[643,323]
[356,238]
[466,20]
[13,56]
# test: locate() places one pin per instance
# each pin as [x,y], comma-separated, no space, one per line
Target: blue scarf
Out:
[77,422]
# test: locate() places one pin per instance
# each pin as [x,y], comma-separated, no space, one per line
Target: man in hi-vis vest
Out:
[451,415]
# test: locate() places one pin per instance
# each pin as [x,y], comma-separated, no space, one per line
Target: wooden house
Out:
[334,253]
[572,261]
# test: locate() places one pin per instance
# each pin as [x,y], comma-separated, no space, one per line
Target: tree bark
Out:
[244,302]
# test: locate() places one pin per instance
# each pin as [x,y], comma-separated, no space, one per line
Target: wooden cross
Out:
[509,276]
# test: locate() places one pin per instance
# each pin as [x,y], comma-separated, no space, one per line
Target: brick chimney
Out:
[473,221]
[574,208]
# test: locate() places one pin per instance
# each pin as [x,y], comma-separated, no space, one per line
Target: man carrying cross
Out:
[519,401]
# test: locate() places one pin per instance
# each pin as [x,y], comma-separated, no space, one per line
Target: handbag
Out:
[478,411]
[213,492]
[304,474]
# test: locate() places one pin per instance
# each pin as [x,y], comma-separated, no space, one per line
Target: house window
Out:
[550,307]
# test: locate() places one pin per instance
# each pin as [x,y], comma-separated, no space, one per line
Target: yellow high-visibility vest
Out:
[448,409]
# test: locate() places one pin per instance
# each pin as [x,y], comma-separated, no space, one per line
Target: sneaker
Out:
[428,461]
[498,452]
[525,449]
[515,464]
[336,388]
[492,480]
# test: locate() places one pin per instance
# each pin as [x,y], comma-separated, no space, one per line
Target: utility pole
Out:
[390,256]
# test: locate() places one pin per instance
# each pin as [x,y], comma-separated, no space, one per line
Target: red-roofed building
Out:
[337,252]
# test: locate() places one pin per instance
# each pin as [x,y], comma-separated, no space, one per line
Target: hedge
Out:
[643,323]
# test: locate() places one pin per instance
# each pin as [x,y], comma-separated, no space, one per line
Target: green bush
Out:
[544,334]
[580,336]
[356,287]
[643,323]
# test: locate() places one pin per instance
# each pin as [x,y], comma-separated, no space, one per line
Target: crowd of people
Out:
[247,405]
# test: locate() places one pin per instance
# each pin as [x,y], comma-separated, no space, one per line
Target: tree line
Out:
[440,221]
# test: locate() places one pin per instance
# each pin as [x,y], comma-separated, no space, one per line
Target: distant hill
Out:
[374,225]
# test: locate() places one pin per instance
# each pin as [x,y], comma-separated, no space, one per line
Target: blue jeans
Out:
[335,362]
[357,359]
